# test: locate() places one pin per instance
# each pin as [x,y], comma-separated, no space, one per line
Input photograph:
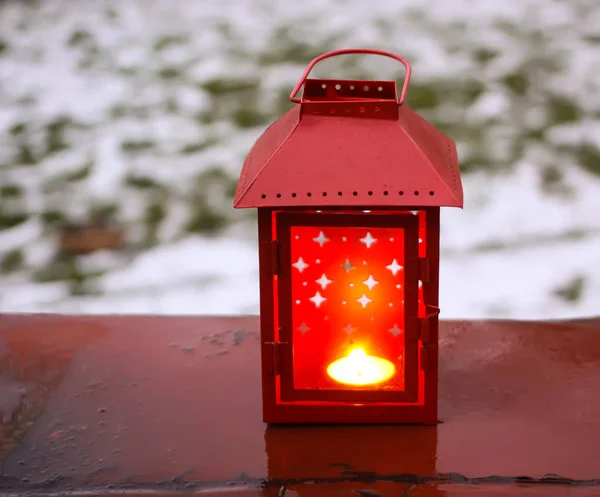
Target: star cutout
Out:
[300,265]
[370,282]
[318,299]
[368,240]
[349,330]
[303,328]
[364,300]
[321,239]
[347,265]
[323,281]
[395,330]
[394,267]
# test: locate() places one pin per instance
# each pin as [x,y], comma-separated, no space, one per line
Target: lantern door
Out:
[347,297]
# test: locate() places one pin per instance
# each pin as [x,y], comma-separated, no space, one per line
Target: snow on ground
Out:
[516,250]
[542,252]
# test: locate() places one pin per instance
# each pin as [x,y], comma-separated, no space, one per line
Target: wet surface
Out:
[165,404]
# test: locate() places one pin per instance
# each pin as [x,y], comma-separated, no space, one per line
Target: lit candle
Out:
[358,368]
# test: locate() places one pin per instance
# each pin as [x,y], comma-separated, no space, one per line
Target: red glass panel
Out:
[347,291]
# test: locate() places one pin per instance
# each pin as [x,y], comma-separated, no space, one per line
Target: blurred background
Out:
[124,125]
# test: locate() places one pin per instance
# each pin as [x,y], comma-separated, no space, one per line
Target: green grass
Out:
[79,37]
[11,191]
[170,73]
[18,128]
[9,219]
[25,155]
[517,82]
[55,135]
[133,146]
[249,117]
[52,218]
[196,147]
[562,110]
[80,174]
[573,290]
[422,97]
[588,156]
[11,261]
[167,41]
[206,220]
[221,86]
[140,182]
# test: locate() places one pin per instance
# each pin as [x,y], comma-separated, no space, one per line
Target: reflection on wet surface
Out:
[136,401]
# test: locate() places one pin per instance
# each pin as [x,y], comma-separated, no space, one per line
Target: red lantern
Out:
[348,186]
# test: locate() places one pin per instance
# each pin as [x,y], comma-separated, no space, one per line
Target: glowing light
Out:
[364,300]
[348,329]
[394,267]
[300,265]
[323,281]
[370,282]
[368,240]
[321,239]
[347,265]
[395,330]
[318,299]
[358,368]
[303,328]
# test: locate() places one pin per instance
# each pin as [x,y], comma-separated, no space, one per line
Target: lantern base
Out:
[350,414]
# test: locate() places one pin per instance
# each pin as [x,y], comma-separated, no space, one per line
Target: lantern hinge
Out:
[424,270]
[425,323]
[275,256]
[275,356]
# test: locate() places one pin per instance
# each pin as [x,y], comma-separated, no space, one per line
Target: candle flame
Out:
[358,368]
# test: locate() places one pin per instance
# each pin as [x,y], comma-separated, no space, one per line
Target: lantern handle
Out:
[370,51]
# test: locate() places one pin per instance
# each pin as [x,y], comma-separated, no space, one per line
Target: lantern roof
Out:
[340,149]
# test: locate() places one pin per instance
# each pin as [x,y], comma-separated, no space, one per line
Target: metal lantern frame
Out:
[350,157]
